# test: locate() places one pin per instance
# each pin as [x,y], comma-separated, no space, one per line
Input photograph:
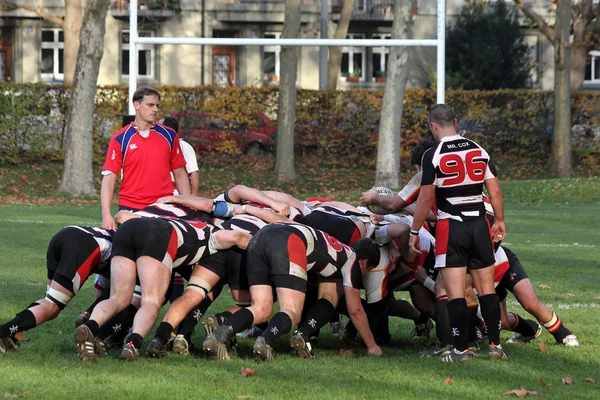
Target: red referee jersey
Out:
[146,164]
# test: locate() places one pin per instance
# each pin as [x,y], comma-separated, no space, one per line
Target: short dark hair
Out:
[172,123]
[140,92]
[416,155]
[442,115]
[368,249]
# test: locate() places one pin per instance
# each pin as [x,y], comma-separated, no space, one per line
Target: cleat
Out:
[86,343]
[112,343]
[336,328]
[100,348]
[497,353]
[262,350]
[302,346]
[2,346]
[11,343]
[456,356]
[422,332]
[215,349]
[157,348]
[474,346]
[210,324]
[129,352]
[570,341]
[250,333]
[435,351]
[181,345]
[82,319]
[518,338]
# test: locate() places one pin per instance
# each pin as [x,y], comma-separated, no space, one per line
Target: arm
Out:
[195,182]
[424,204]
[227,239]
[493,188]
[285,199]
[265,215]
[411,208]
[181,181]
[239,193]
[401,231]
[195,202]
[123,216]
[106,194]
[391,203]
[359,319]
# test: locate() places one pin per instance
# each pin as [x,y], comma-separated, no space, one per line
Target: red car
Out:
[209,132]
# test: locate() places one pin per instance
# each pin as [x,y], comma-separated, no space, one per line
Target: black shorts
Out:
[277,256]
[73,255]
[467,243]
[230,266]
[515,274]
[152,237]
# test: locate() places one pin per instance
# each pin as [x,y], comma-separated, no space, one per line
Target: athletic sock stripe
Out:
[556,325]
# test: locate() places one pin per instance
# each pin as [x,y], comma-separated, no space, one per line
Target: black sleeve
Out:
[427,167]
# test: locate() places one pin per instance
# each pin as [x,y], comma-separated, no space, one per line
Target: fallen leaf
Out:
[567,380]
[77,369]
[570,295]
[557,205]
[359,377]
[542,347]
[344,353]
[590,380]
[11,396]
[547,385]
[248,371]
[597,297]
[545,287]
[244,396]
[521,392]
[19,336]
[448,381]
[522,346]
[25,394]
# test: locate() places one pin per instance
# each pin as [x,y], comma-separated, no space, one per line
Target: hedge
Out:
[342,123]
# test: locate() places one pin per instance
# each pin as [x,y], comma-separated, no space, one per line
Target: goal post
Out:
[439,43]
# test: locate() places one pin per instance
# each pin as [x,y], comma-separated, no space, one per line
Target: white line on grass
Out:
[551,244]
[30,221]
[561,306]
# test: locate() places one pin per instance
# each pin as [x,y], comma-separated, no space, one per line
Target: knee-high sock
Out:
[317,317]
[279,325]
[490,311]
[459,321]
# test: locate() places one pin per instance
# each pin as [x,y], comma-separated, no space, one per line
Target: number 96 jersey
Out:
[458,168]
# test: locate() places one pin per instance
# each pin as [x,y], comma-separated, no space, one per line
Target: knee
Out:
[262,311]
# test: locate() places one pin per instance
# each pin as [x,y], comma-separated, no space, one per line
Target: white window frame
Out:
[141,47]
[56,46]
[354,50]
[382,51]
[593,54]
[277,51]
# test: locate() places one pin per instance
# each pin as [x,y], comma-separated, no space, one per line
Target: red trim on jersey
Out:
[413,196]
[297,251]
[500,271]
[84,269]
[173,245]
[318,199]
[355,236]
[384,284]
[442,231]
[487,221]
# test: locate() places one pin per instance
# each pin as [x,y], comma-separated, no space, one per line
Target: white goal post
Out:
[440,43]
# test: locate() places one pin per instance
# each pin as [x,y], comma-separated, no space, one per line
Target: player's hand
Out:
[367,198]
[374,350]
[281,208]
[414,245]
[166,199]
[420,274]
[237,210]
[498,231]
[394,255]
[108,222]
[376,218]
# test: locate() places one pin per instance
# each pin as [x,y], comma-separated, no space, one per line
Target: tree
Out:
[335,53]
[560,159]
[286,114]
[77,174]
[486,49]
[585,26]
[388,147]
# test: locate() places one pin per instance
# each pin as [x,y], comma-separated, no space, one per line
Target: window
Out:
[52,55]
[592,71]
[353,60]
[271,58]
[146,56]
[380,57]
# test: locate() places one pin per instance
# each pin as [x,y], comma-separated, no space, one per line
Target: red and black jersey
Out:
[102,236]
[173,210]
[458,168]
[193,241]
[244,223]
[337,222]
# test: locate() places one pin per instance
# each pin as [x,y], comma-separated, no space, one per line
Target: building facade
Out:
[31,48]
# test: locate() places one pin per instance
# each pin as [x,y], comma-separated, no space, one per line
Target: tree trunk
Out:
[286,115]
[579,54]
[72,30]
[335,53]
[561,142]
[77,174]
[388,148]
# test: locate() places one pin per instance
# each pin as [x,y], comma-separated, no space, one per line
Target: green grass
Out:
[558,246]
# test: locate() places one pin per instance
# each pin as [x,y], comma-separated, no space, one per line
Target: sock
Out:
[120,322]
[136,339]
[93,327]
[222,317]
[472,323]
[525,327]
[459,321]
[187,326]
[104,296]
[178,286]
[279,325]
[422,320]
[443,329]
[165,332]
[262,325]
[21,322]
[241,320]
[556,328]
[490,311]
[317,317]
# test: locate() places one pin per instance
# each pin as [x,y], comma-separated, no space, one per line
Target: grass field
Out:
[551,226]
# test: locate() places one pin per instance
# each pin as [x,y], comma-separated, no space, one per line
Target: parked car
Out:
[208,132]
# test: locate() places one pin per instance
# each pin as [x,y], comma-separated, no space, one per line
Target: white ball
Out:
[382,191]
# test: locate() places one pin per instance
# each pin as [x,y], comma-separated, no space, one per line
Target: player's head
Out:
[171,122]
[367,253]
[442,121]
[416,155]
[146,101]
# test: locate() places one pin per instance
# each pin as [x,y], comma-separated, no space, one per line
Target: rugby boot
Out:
[157,348]
[250,333]
[435,351]
[518,338]
[210,323]
[458,356]
[422,332]
[82,319]
[215,349]
[262,350]
[496,352]
[181,345]
[570,341]
[129,352]
[302,346]
[86,343]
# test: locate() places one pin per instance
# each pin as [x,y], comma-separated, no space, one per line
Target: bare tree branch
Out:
[536,18]
[42,12]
